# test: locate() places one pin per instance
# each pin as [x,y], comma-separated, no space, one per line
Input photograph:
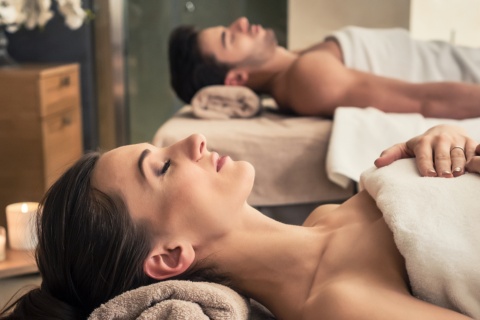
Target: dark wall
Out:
[56,43]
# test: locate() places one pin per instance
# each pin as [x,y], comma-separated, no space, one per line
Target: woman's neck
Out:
[271,262]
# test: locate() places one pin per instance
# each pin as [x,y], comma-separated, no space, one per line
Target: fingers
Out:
[471,149]
[457,156]
[461,157]
[397,152]
[423,152]
[439,157]
[443,151]
[473,164]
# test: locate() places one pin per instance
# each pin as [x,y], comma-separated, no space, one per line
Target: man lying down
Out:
[359,67]
[138,215]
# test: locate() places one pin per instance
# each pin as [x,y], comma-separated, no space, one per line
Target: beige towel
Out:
[224,102]
[175,299]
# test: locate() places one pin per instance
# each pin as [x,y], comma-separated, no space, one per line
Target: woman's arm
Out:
[442,151]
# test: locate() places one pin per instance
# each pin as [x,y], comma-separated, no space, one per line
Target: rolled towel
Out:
[224,102]
[176,299]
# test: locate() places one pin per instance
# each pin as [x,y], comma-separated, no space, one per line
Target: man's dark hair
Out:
[189,70]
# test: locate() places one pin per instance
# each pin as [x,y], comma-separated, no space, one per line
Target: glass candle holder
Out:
[21,225]
[3,244]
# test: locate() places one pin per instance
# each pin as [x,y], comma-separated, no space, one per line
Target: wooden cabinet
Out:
[40,129]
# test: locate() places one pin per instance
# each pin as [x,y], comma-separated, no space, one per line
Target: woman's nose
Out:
[196,146]
[241,24]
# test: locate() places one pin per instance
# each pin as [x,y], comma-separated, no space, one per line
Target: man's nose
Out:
[241,24]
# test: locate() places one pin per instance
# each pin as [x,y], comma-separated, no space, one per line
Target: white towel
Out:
[360,135]
[225,102]
[394,53]
[436,223]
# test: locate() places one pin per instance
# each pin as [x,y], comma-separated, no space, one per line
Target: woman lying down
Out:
[140,214]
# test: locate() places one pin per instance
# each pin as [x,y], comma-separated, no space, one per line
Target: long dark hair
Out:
[89,249]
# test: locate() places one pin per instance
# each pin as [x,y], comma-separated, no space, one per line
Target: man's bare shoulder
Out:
[314,59]
[330,45]
[316,82]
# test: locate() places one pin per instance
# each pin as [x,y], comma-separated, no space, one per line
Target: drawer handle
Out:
[65,82]
[66,120]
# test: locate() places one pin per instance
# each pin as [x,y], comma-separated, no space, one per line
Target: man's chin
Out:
[271,37]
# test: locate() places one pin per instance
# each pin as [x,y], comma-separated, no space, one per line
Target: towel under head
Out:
[225,102]
[179,299]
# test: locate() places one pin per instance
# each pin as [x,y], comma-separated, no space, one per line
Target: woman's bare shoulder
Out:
[353,299]
[314,218]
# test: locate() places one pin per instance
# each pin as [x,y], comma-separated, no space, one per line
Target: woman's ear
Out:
[236,77]
[165,262]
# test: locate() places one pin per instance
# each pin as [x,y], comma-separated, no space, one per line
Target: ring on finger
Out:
[458,148]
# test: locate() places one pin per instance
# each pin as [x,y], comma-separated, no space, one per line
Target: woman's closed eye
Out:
[161,171]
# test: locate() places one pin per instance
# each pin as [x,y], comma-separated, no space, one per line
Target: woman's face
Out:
[181,189]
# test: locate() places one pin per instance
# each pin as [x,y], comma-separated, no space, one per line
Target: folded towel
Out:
[435,223]
[224,102]
[175,299]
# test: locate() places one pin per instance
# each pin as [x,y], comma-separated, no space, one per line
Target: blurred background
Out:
[125,88]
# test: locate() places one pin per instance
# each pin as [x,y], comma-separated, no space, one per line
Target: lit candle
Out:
[21,225]
[3,241]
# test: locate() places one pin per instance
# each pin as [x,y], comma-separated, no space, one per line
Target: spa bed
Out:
[288,154]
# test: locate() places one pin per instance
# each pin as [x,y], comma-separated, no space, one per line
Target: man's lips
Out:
[255,28]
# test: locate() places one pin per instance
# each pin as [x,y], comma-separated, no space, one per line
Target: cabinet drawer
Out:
[62,142]
[59,92]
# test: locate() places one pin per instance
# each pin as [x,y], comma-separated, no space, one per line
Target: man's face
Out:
[238,45]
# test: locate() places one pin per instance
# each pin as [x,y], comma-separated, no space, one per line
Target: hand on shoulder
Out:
[442,151]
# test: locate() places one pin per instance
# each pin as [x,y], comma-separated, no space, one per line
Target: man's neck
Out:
[264,78]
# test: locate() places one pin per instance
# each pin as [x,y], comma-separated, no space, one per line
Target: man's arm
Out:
[320,83]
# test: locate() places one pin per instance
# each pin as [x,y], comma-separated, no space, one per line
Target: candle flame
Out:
[24,207]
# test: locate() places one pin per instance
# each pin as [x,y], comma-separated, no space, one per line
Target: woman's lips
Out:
[220,162]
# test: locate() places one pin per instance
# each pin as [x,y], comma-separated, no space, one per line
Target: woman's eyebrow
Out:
[140,161]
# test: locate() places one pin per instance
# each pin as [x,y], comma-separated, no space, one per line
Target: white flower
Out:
[11,14]
[37,13]
[73,12]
